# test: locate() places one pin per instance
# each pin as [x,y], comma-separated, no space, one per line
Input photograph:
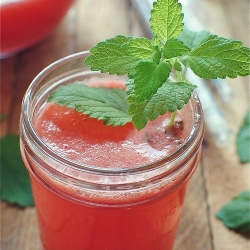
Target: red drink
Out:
[25,22]
[99,187]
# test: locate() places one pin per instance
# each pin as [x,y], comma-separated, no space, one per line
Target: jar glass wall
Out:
[81,206]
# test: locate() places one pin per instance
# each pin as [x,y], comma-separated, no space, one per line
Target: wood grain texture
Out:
[220,175]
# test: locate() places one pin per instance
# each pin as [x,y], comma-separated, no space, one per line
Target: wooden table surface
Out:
[220,175]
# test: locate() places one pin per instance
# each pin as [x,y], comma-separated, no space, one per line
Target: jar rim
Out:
[191,143]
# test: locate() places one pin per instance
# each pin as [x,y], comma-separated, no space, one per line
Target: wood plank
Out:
[102,26]
[7,68]
[194,230]
[225,176]
[19,228]
[237,16]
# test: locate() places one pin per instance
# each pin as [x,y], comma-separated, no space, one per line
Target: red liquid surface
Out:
[25,22]
[139,222]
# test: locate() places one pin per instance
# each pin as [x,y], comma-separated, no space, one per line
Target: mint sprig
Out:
[150,64]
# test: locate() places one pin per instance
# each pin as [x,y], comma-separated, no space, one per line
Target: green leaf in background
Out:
[236,214]
[243,140]
[15,183]
[193,38]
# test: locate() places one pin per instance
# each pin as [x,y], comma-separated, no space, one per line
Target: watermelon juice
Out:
[104,187]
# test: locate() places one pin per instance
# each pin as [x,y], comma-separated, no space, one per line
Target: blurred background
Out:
[35,33]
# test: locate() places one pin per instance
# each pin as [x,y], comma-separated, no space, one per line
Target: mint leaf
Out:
[135,109]
[235,215]
[113,55]
[174,48]
[148,77]
[166,19]
[243,140]
[193,38]
[170,97]
[139,48]
[105,104]
[15,183]
[218,57]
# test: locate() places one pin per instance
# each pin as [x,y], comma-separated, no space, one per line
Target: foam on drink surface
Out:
[86,140]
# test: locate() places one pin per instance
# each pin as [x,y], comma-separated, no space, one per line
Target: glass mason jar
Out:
[89,207]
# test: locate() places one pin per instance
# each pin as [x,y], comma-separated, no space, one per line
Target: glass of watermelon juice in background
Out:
[25,22]
[104,187]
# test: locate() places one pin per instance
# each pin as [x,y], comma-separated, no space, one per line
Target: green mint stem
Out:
[179,77]
[171,123]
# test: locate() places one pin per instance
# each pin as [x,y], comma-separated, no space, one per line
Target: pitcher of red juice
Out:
[104,187]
